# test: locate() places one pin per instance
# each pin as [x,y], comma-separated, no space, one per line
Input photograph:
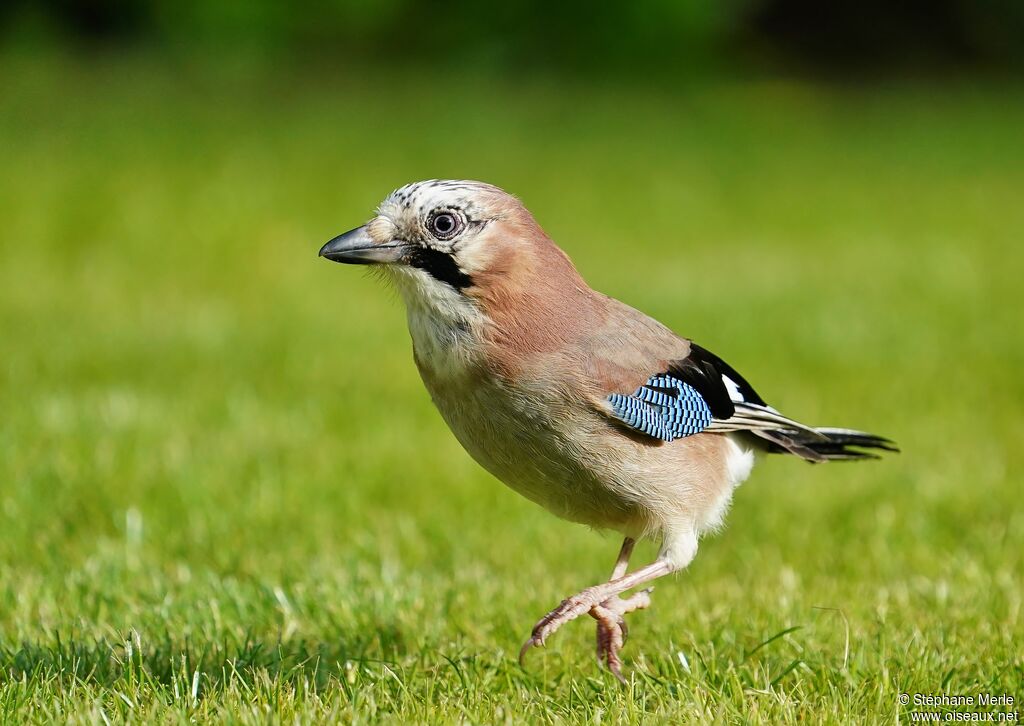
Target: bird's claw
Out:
[609,612]
[569,609]
[612,630]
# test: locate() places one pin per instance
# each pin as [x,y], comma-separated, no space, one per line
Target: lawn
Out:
[225,495]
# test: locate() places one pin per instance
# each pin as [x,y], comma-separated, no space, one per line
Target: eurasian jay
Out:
[577,401]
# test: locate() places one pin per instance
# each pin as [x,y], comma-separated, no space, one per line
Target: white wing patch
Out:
[733,388]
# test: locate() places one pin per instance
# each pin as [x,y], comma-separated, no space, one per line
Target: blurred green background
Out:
[224,493]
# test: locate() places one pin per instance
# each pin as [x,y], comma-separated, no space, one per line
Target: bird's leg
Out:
[610,614]
[621,564]
[622,561]
[600,597]
[611,627]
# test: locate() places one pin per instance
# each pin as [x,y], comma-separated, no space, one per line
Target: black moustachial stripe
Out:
[439,265]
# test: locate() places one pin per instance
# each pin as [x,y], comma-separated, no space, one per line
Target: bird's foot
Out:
[569,609]
[611,627]
[609,612]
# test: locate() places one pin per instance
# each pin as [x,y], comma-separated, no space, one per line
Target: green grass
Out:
[224,493]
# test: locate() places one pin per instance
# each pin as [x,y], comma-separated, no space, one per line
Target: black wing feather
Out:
[703,370]
[707,375]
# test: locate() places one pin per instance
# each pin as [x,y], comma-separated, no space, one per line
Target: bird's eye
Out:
[445,225]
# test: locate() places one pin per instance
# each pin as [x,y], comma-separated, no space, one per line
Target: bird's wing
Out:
[668,387]
[698,393]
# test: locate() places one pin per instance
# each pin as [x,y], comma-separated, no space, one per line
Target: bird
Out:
[577,401]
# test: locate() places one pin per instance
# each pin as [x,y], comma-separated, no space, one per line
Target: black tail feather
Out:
[835,446]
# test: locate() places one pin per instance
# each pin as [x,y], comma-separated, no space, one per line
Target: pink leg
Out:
[623,559]
[604,605]
[611,627]
[618,571]
[610,615]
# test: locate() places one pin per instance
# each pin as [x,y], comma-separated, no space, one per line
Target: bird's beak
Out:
[356,247]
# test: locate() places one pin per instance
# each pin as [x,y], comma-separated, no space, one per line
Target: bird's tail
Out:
[824,444]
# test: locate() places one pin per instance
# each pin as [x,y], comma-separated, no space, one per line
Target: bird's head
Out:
[447,242]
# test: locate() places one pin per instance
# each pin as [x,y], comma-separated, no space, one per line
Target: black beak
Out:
[357,248]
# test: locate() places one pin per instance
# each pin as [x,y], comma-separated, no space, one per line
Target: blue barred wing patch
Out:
[664,407]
